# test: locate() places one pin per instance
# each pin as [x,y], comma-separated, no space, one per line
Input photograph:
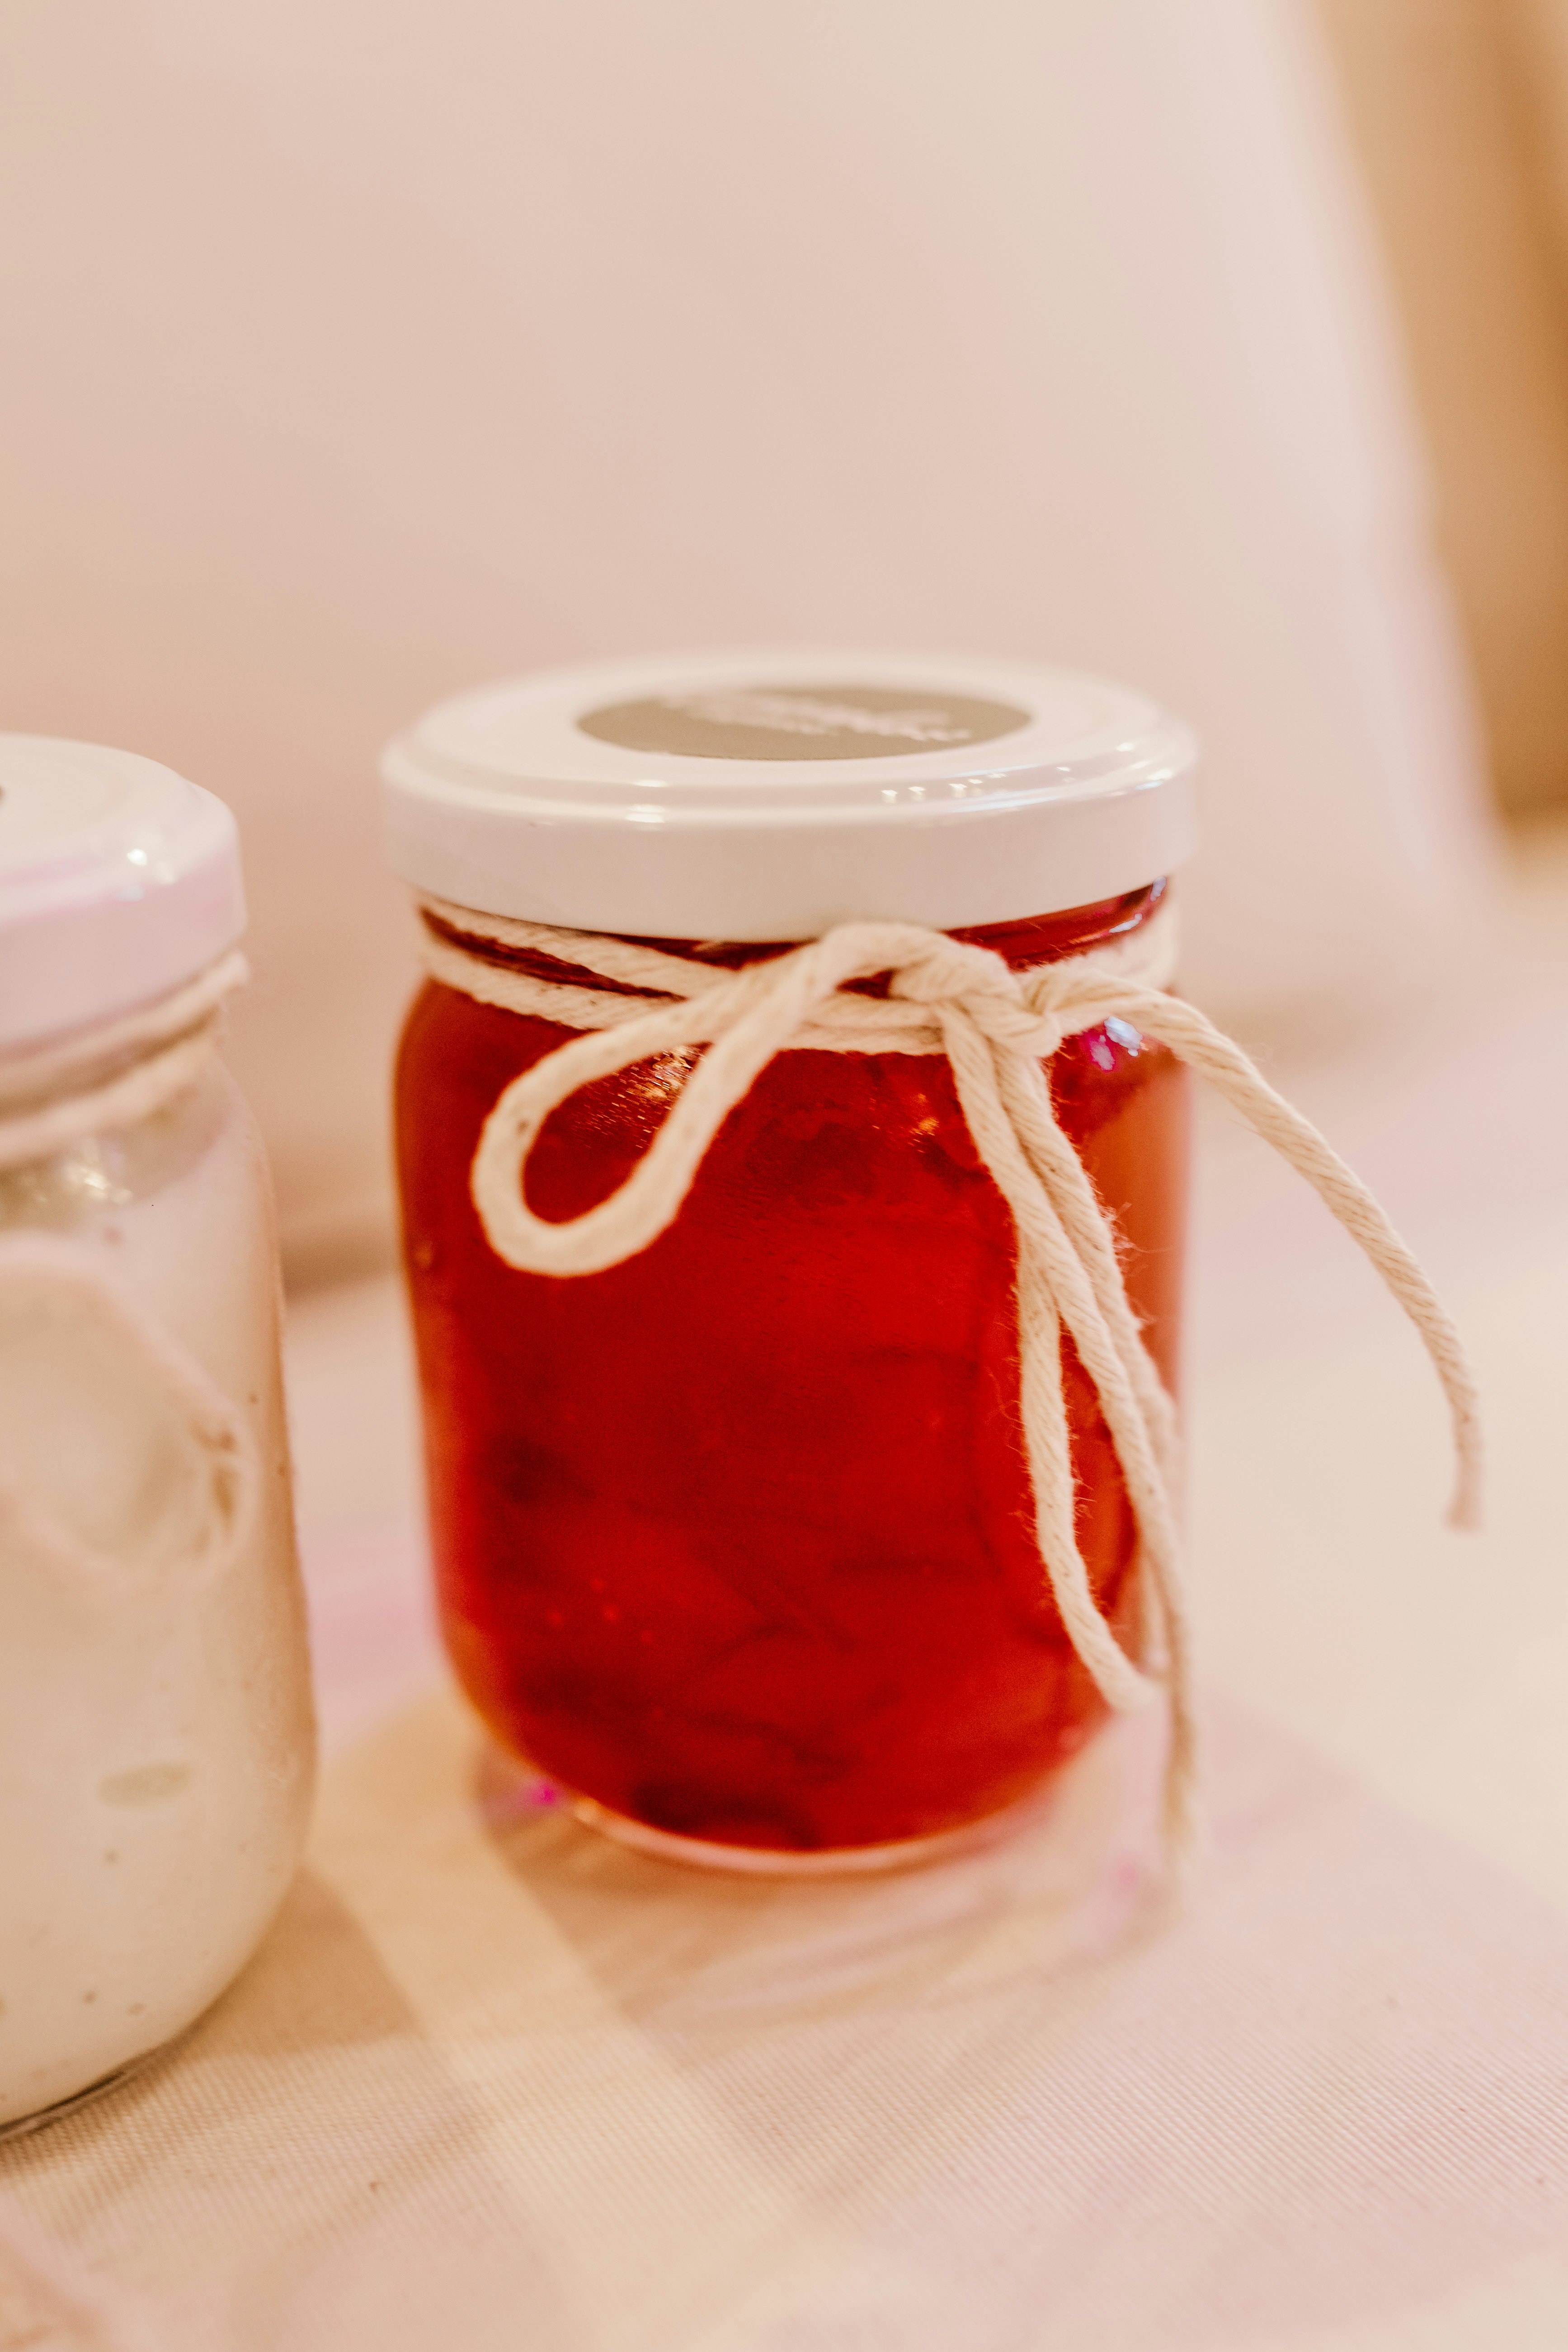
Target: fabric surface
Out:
[494,2083]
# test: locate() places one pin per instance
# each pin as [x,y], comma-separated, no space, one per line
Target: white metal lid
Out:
[118,881]
[767,795]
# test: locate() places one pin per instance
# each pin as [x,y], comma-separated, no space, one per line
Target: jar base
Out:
[839,1862]
[18,2126]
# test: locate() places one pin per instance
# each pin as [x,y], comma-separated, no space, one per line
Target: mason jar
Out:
[156,1736]
[734,1539]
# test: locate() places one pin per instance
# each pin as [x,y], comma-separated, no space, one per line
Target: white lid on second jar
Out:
[768,795]
[119,880]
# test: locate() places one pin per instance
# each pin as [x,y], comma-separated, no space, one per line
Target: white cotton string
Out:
[849,1024]
[114,1073]
[997,1027]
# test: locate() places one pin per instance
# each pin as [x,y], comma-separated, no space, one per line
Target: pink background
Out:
[356,354]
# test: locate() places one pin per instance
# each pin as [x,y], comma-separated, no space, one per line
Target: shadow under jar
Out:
[735,1539]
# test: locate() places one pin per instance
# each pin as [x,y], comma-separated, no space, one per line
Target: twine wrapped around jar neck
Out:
[997,1028]
[114,1073]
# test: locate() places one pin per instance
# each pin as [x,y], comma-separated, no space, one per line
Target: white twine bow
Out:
[997,1027]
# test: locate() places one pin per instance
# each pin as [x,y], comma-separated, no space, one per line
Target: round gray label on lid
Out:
[802,723]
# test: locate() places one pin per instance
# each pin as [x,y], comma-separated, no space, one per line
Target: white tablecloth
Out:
[493,2083]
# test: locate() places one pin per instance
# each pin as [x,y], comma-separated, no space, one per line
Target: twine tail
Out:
[1044,1275]
[1026,1096]
[1193,1037]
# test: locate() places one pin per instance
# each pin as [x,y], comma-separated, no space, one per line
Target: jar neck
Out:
[57,1070]
[1050,939]
[1029,940]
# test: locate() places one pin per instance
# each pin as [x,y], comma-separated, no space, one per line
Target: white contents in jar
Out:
[155,1731]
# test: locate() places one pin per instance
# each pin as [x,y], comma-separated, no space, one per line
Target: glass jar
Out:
[156,1736]
[734,1539]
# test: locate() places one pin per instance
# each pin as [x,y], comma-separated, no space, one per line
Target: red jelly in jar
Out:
[735,1539]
